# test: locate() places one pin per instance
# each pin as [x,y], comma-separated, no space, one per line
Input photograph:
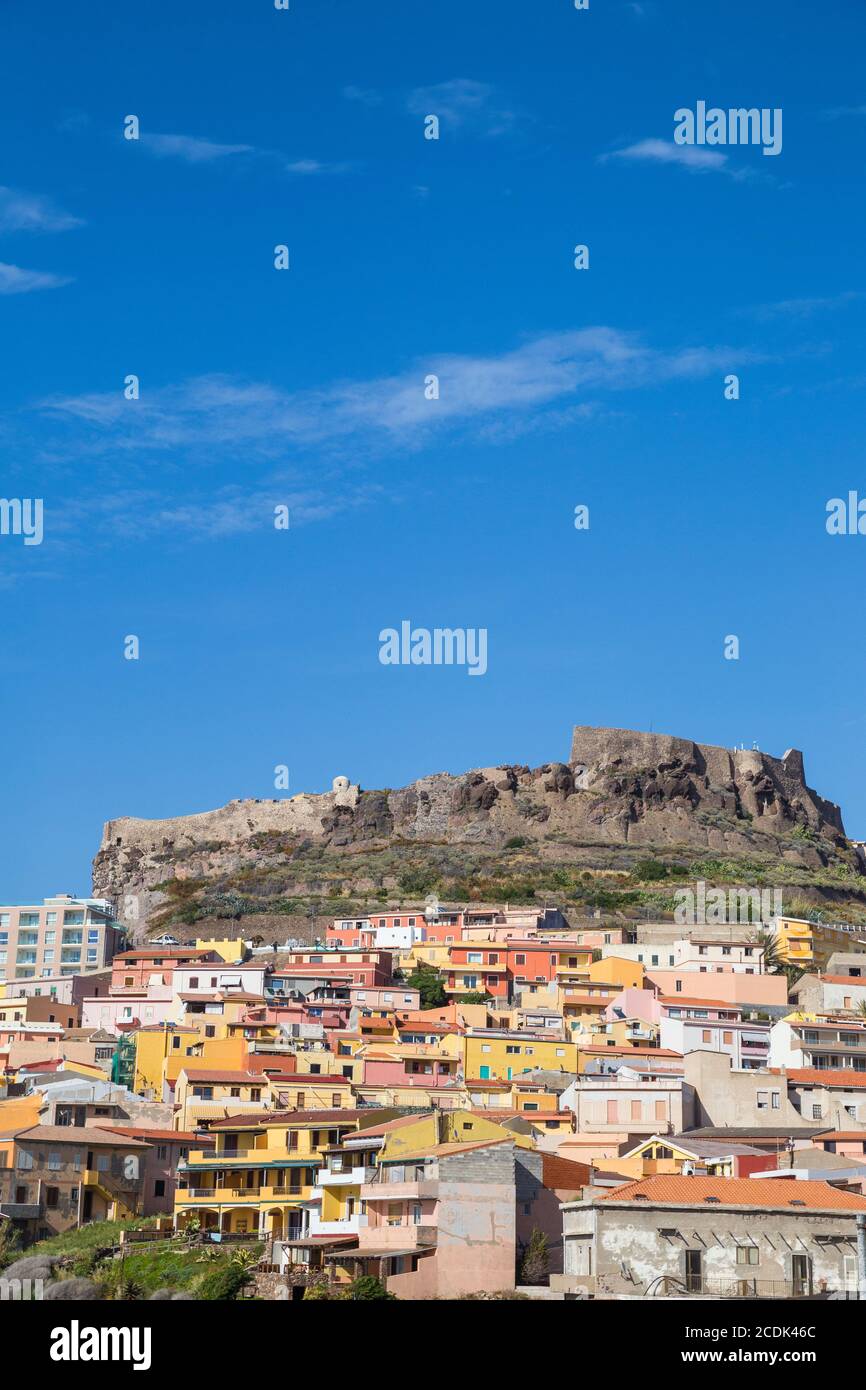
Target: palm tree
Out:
[768,941]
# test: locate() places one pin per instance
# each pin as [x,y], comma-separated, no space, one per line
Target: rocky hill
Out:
[581,832]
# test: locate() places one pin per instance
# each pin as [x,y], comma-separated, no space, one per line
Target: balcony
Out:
[347,1177]
[349,1226]
[414,1191]
[399,1237]
[218,1194]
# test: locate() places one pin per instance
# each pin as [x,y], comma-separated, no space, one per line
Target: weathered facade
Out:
[715,1237]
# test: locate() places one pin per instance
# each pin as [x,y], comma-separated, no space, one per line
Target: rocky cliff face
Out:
[620,788]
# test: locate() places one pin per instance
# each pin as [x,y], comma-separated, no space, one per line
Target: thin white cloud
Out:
[214,416]
[692,157]
[315,166]
[806,307]
[190,148]
[15,280]
[30,212]
[464,103]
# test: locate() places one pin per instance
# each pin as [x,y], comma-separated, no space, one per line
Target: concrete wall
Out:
[726,1097]
[618,1250]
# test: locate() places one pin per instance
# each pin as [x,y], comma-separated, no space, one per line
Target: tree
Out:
[224,1283]
[427,980]
[369,1289]
[768,941]
[472,998]
[536,1259]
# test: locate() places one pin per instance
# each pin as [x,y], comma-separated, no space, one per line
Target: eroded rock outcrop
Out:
[620,787]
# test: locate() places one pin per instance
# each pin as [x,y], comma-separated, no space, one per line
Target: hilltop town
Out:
[447,1101]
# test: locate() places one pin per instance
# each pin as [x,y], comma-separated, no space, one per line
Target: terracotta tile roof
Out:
[828,1076]
[737,1192]
[78,1134]
[859,980]
[245,1078]
[286,1117]
[159,1136]
[830,1135]
[699,1003]
[564,1173]
[167,953]
[624,1050]
[373,1131]
[324,1078]
[447,1150]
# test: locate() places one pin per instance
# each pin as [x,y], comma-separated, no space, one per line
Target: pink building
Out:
[128,1011]
[727,985]
[409,1065]
[441,1222]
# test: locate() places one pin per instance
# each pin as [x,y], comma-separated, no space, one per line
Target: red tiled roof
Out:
[737,1192]
[208,1074]
[828,1076]
[629,1051]
[829,1135]
[564,1173]
[163,1136]
[699,1003]
[285,1117]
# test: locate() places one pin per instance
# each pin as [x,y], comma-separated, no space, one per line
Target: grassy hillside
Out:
[286,889]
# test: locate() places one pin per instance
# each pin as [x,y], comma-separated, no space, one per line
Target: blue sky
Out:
[305,387]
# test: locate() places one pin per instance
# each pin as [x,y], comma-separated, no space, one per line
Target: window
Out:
[816,1112]
[747,1255]
[52,1196]
[159,1187]
[335,1100]
[762,1100]
[706,1035]
[54,1162]
[299,1099]
[774,1097]
[727,1038]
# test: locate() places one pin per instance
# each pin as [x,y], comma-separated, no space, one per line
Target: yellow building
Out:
[490,1055]
[262,1177]
[203,1093]
[232,952]
[811,944]
[616,970]
[161,1051]
[351,1165]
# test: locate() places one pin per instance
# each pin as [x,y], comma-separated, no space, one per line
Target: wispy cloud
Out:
[692,157]
[30,212]
[464,104]
[316,166]
[805,308]
[695,159]
[15,280]
[190,148]
[213,415]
